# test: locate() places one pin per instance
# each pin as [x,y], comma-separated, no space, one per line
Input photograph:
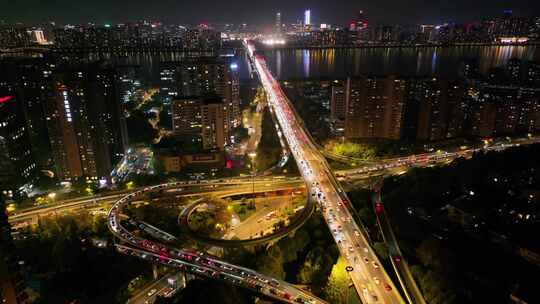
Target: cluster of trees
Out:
[350,149]
[307,257]
[269,149]
[211,222]
[59,256]
[451,262]
[240,133]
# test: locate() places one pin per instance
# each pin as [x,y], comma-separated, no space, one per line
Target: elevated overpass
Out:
[369,278]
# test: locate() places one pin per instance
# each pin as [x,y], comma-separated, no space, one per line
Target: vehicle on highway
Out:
[151,292]
[274,282]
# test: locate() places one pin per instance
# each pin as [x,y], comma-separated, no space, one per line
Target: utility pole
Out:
[252,156]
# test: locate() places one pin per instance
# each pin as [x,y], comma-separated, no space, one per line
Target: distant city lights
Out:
[513,39]
[274,41]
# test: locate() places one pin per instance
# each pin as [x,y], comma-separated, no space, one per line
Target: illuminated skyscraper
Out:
[307,17]
[84,124]
[18,166]
[186,116]
[375,107]
[338,109]
[278,22]
[198,119]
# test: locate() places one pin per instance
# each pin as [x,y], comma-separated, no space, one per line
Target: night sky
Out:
[260,12]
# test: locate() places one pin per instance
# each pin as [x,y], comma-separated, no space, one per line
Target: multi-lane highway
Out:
[370,279]
[401,267]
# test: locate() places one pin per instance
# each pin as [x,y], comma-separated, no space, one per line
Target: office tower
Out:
[12,287]
[427,33]
[387,33]
[359,23]
[375,107]
[213,124]
[307,17]
[278,22]
[338,108]
[19,170]
[84,123]
[38,37]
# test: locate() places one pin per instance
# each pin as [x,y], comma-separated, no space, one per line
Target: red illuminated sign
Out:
[5,99]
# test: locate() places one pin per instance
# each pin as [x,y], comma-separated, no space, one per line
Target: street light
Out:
[252,156]
[52,196]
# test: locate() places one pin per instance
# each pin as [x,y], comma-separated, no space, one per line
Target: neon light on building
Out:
[67,108]
[5,99]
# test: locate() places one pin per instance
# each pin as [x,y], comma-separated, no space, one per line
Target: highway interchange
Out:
[235,186]
[368,276]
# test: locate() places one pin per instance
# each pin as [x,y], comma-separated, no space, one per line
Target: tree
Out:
[350,149]
[381,249]
[338,283]
[270,262]
[316,267]
[240,133]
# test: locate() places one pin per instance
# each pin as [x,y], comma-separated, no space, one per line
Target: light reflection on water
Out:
[339,63]
[405,61]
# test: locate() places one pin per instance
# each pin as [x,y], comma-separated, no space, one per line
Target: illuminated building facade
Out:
[374,107]
[19,170]
[84,123]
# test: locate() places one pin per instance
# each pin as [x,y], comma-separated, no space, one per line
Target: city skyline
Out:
[240,11]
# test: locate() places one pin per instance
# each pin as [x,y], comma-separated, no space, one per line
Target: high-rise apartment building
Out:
[338,108]
[205,77]
[433,109]
[30,79]
[84,122]
[213,124]
[19,170]
[375,107]
[278,22]
[186,116]
[200,119]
